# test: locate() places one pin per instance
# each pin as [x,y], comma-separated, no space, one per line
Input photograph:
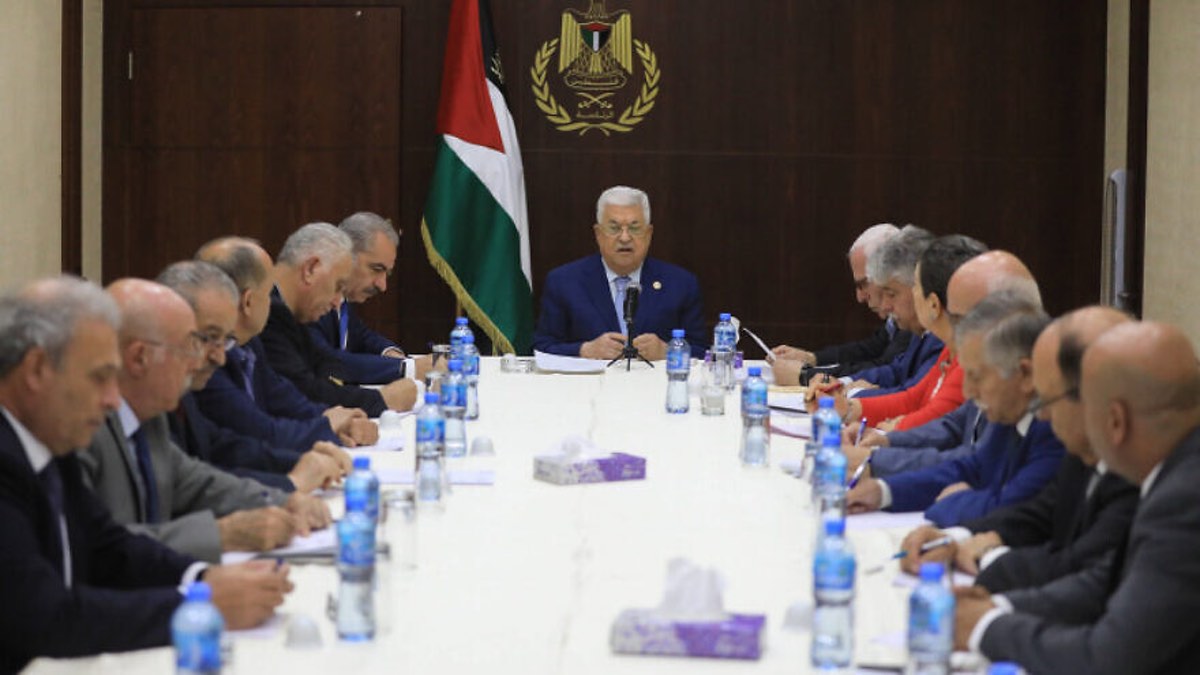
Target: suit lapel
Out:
[651,297]
[48,532]
[598,292]
[117,436]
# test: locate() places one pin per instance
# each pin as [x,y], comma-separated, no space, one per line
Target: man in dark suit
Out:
[75,583]
[246,394]
[1134,612]
[147,482]
[213,299]
[310,275]
[1076,519]
[367,357]
[583,301]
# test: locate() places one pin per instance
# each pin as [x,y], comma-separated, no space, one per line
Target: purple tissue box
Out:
[642,631]
[615,467]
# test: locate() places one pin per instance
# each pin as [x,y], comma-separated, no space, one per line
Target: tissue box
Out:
[615,467]
[645,631]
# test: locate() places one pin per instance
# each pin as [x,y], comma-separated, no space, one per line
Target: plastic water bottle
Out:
[470,369]
[756,439]
[461,329]
[679,365]
[833,591]
[829,474]
[431,464]
[930,624]
[356,569]
[1004,668]
[196,629]
[724,344]
[362,489]
[825,419]
[454,408]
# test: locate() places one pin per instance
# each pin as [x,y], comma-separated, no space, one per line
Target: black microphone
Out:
[632,291]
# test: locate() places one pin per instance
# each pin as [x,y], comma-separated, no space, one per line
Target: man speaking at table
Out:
[583,301]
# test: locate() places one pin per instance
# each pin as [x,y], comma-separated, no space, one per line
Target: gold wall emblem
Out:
[595,60]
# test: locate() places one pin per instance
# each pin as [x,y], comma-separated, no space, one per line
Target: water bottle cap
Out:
[754,371]
[455,365]
[931,571]
[725,316]
[831,441]
[1004,668]
[677,332]
[199,591]
[835,527]
[468,339]
[362,463]
[431,397]
[460,321]
[825,402]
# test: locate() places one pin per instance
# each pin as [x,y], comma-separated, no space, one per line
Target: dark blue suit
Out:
[948,437]
[362,359]
[577,306]
[123,585]
[278,414]
[1006,468]
[227,449]
[906,370]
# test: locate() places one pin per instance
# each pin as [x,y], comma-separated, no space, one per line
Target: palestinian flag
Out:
[475,228]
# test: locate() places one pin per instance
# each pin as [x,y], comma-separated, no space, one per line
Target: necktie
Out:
[622,283]
[246,360]
[146,470]
[344,324]
[975,426]
[51,482]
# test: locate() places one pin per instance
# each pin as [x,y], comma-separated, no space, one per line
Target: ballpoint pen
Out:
[859,472]
[862,424]
[925,548]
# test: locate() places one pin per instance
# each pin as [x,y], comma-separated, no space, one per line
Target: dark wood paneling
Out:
[72,136]
[782,129]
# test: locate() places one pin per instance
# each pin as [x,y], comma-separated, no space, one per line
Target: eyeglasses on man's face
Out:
[1038,404]
[614,229]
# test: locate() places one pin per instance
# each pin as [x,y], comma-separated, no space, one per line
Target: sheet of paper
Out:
[882,520]
[391,442]
[397,476]
[554,363]
[318,543]
[787,399]
[796,426]
[904,580]
[269,629]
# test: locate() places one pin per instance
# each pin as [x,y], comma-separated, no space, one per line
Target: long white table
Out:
[526,577]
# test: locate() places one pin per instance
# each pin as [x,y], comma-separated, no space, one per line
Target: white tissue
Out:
[574,448]
[693,593]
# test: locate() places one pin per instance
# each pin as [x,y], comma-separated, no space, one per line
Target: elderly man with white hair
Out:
[582,301]
[311,275]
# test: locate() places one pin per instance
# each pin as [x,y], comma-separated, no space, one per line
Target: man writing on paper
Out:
[583,301]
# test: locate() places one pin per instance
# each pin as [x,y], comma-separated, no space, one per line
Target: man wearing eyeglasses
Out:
[583,301]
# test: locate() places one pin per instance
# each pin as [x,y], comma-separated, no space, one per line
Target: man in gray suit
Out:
[1135,612]
[148,482]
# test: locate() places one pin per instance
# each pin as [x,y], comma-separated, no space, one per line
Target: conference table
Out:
[523,576]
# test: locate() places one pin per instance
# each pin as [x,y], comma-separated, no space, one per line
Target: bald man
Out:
[1076,519]
[1135,613]
[148,483]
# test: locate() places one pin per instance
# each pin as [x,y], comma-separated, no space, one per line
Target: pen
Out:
[859,472]
[925,548]
[862,424]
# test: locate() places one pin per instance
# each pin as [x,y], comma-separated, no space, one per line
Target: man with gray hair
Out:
[878,349]
[583,302]
[367,357]
[311,274]
[76,583]
[1018,454]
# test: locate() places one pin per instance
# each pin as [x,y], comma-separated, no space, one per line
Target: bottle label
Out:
[678,360]
[198,652]
[454,394]
[430,430]
[833,572]
[754,399]
[470,364]
[356,545]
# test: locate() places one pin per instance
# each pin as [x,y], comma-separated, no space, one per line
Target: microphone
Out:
[632,291]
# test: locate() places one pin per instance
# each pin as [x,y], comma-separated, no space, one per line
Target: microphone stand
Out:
[629,352]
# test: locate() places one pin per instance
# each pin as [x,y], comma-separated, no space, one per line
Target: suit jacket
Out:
[315,372]
[1006,469]
[191,494]
[1061,530]
[942,440]
[226,449]
[278,414]
[1134,613]
[877,349]
[577,306]
[123,587]
[904,371]
[362,359]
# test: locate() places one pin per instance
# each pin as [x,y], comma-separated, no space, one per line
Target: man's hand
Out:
[866,496]
[787,372]
[971,603]
[911,562]
[310,513]
[607,346]
[856,455]
[650,347]
[890,424]
[338,416]
[313,471]
[247,594]
[951,489]
[340,457]
[256,529]
[400,394]
[874,438]
[358,431]
[971,551]
[423,364]
[862,384]
[787,353]
[848,408]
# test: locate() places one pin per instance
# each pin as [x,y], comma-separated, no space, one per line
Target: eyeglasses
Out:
[614,230]
[193,348]
[1037,404]
[210,340]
